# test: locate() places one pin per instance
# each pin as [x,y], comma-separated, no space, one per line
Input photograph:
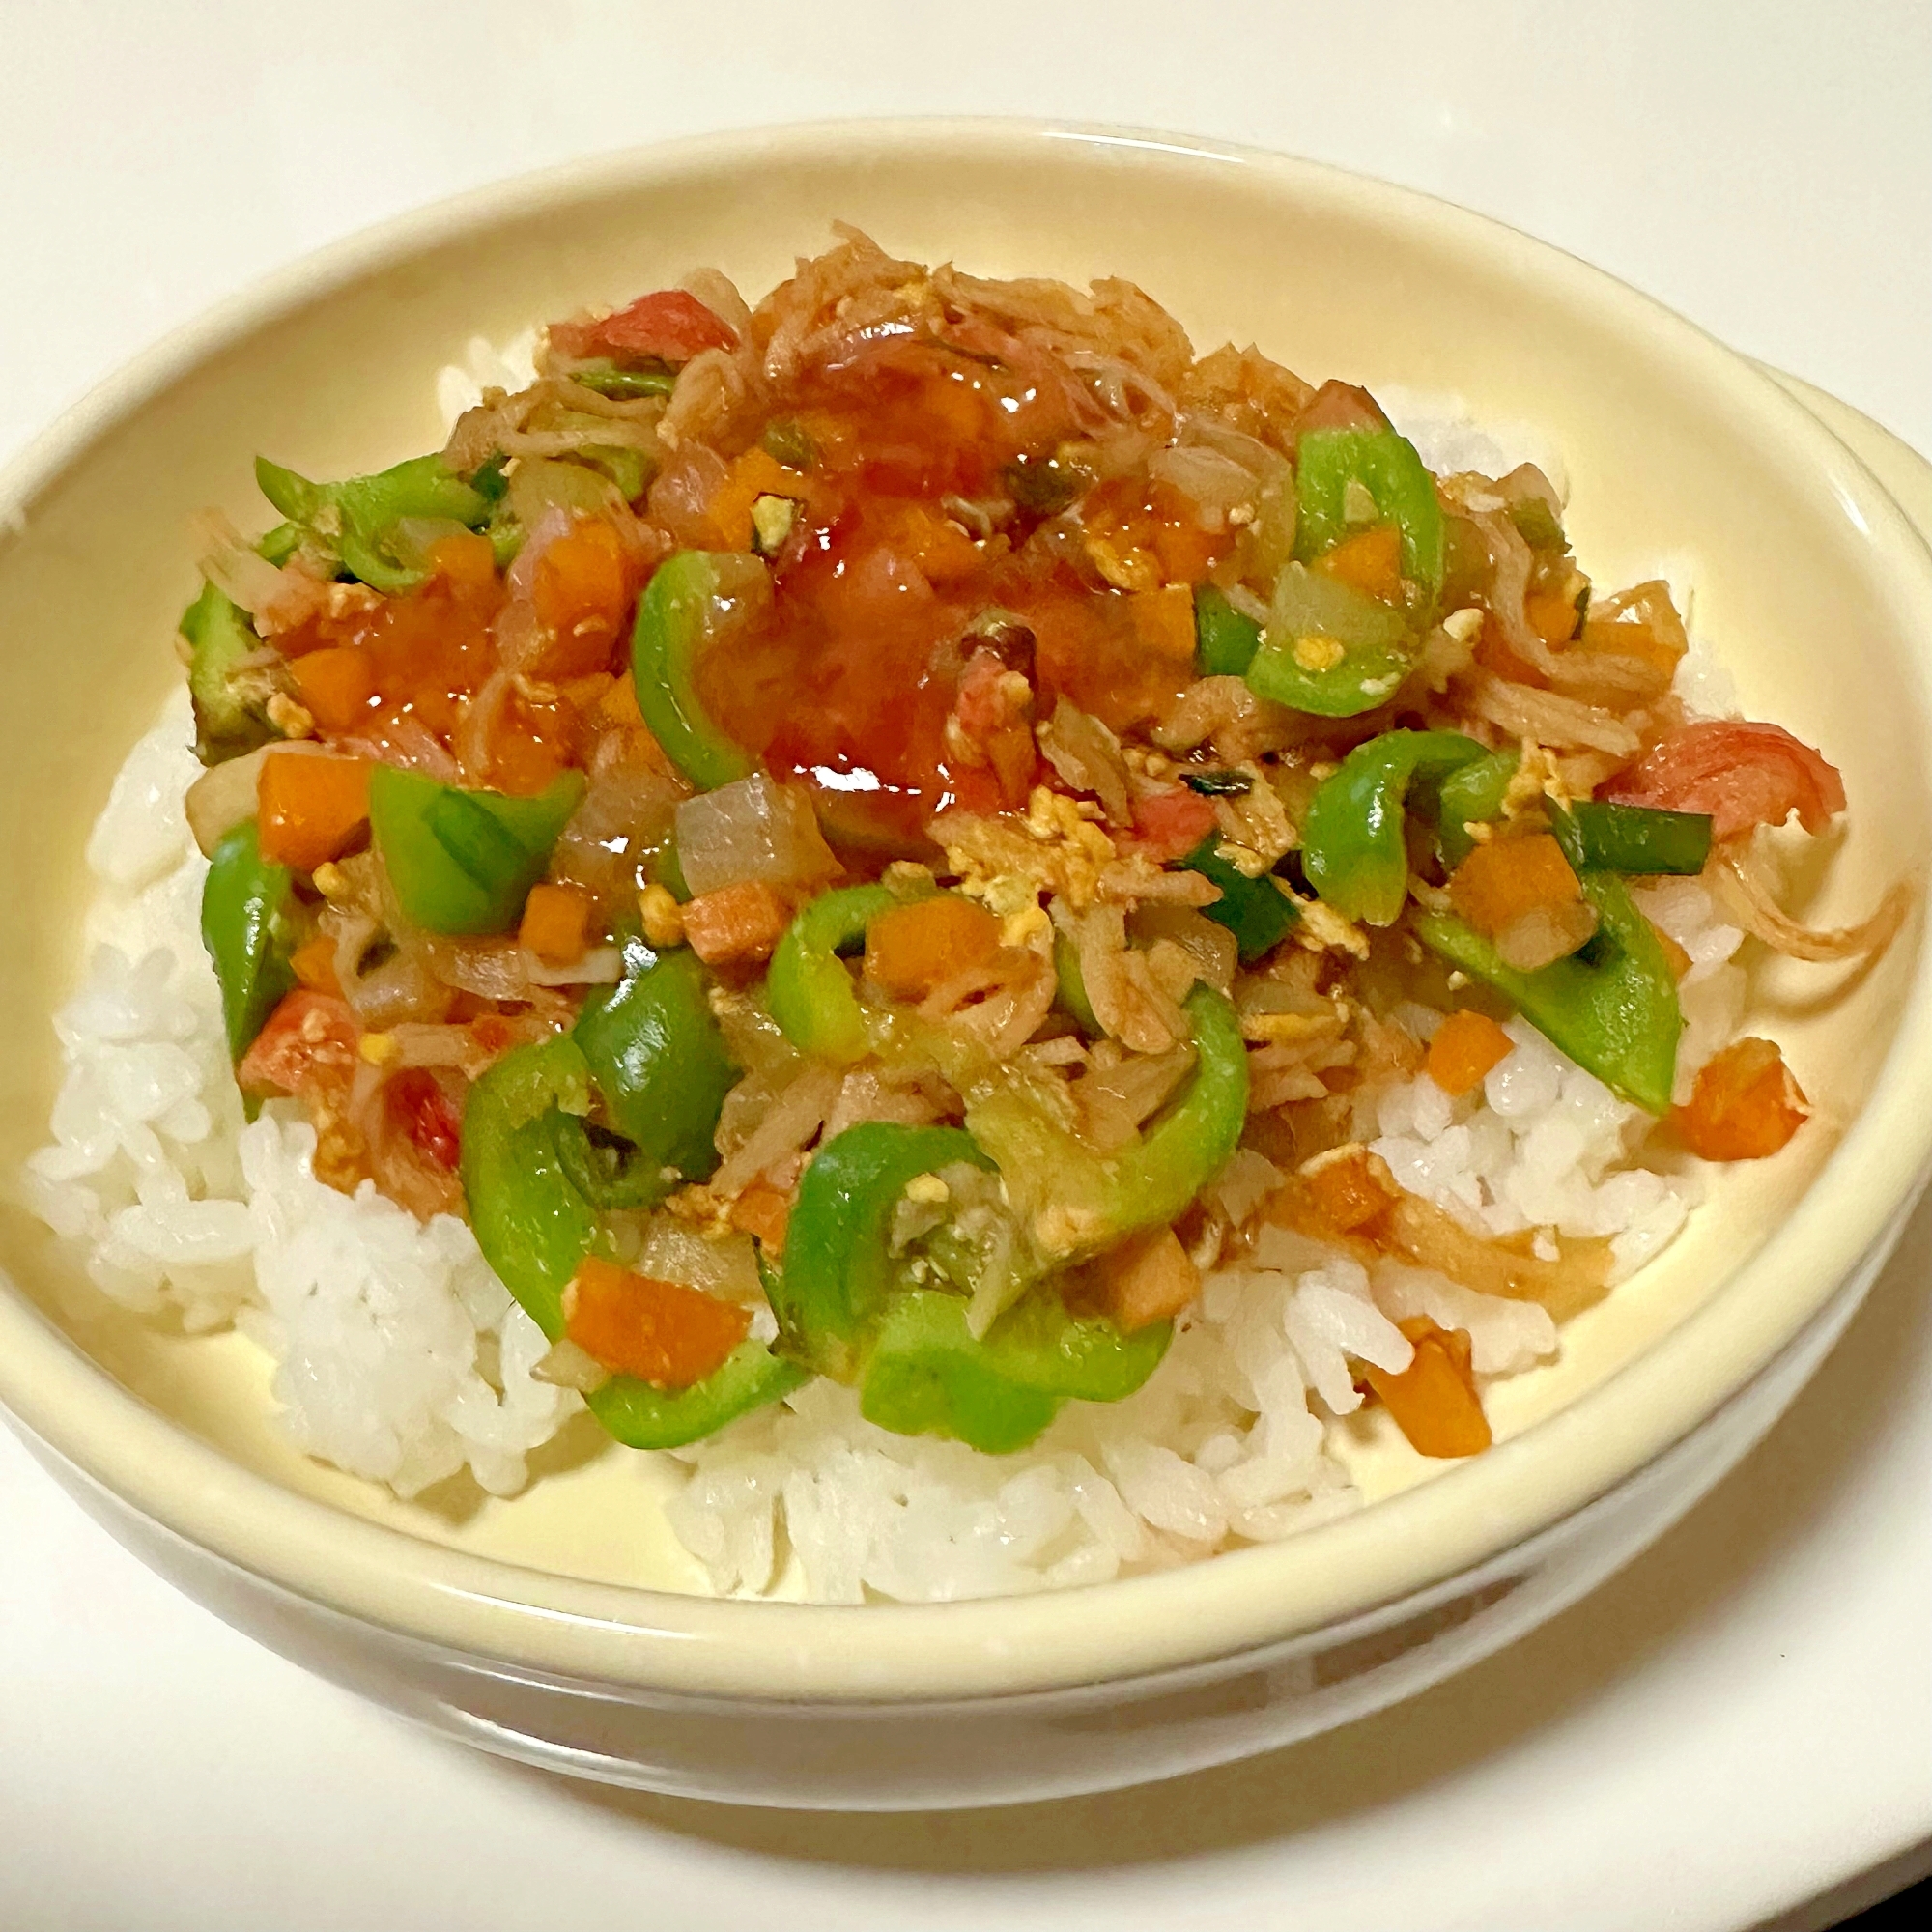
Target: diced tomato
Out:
[1169,824]
[308,1046]
[1742,774]
[421,1109]
[669,326]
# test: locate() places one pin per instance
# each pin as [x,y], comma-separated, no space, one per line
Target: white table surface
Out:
[1743,1718]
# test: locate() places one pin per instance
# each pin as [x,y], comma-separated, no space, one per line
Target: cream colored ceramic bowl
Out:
[565,1627]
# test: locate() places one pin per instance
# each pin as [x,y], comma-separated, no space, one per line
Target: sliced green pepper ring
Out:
[354,519]
[1353,847]
[1329,649]
[1612,1006]
[535,1228]
[692,597]
[1255,911]
[1225,641]
[837,1265]
[464,862]
[246,924]
[1472,794]
[1385,465]
[808,992]
[657,1054]
[1053,1174]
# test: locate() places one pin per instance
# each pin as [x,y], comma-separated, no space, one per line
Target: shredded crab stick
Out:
[885,794]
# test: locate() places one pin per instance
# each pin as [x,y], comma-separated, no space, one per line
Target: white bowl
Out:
[564,1627]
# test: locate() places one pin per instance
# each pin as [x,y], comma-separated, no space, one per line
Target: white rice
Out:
[402,1359]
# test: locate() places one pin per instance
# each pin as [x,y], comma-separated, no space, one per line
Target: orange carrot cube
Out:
[912,948]
[1551,615]
[762,1212]
[555,923]
[1465,1046]
[659,1331]
[582,594]
[1350,1187]
[1434,1400]
[1163,622]
[1745,1104]
[735,924]
[336,684]
[310,808]
[1501,881]
[314,964]
[1369,561]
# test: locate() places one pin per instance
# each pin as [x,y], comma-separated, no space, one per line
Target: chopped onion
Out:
[221,798]
[786,1126]
[600,966]
[753,829]
[1747,893]
[566,1365]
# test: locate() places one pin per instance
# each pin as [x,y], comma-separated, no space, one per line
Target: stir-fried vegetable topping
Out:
[823,829]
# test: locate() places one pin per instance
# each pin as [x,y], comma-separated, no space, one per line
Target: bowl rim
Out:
[662,1642]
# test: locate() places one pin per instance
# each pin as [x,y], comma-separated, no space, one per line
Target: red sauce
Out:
[851,685]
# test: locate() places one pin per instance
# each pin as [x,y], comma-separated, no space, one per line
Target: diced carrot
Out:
[619,703]
[1632,641]
[582,594]
[1502,880]
[1148,1278]
[659,1331]
[555,923]
[467,561]
[336,684]
[313,965]
[761,1211]
[310,808]
[1743,1105]
[1465,1046]
[1551,615]
[1434,1400]
[1349,1187]
[755,473]
[912,948]
[1164,622]
[1680,960]
[736,923]
[1369,561]
[942,550]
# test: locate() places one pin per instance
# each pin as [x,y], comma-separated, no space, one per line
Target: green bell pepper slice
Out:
[1384,464]
[1472,794]
[353,520]
[535,1228]
[643,1417]
[464,862]
[247,926]
[928,1375]
[680,611]
[1601,835]
[657,1054]
[1353,847]
[1329,649]
[1071,987]
[1255,911]
[1612,1006]
[1225,641]
[1092,1202]
[838,1269]
[229,714]
[848,1306]
[808,992]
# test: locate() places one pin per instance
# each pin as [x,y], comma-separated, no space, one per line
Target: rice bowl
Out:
[1396,1129]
